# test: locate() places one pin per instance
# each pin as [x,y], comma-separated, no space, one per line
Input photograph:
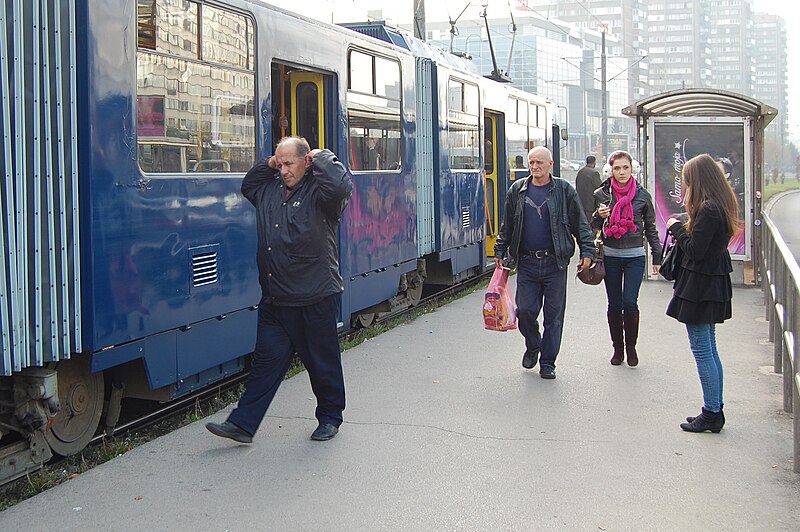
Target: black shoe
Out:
[707,420]
[530,359]
[230,431]
[547,372]
[689,419]
[324,432]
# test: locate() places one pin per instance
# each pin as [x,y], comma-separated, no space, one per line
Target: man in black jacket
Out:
[586,182]
[542,220]
[299,195]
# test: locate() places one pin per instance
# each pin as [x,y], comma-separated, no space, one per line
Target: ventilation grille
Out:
[465,217]
[204,269]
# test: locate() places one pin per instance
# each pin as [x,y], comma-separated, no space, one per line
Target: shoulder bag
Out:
[595,273]
[671,259]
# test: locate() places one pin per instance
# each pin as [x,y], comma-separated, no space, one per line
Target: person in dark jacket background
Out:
[542,220]
[299,195]
[586,182]
[625,217]
[702,292]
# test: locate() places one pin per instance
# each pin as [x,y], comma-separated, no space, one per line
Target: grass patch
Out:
[773,188]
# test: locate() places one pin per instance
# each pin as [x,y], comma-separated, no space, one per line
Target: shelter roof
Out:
[701,102]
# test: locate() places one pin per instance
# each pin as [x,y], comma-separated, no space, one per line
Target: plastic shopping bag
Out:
[499,310]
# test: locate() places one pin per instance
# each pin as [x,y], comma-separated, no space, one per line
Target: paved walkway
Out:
[446,431]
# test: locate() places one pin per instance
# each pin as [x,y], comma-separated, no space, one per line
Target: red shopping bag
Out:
[499,310]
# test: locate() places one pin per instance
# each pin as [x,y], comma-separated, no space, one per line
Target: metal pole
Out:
[604,95]
[419,19]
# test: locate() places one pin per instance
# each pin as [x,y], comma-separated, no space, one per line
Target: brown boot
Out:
[616,330]
[630,321]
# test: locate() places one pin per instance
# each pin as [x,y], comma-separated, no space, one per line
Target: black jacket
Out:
[703,291]
[567,222]
[586,182]
[298,257]
[644,216]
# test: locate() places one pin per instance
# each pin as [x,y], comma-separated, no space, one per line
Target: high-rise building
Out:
[770,86]
[731,41]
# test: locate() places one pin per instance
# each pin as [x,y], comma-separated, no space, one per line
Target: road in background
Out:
[785,214]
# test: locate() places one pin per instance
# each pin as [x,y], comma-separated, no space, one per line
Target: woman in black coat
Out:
[702,293]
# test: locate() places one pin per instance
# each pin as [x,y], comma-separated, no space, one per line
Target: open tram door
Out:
[299,98]
[495,183]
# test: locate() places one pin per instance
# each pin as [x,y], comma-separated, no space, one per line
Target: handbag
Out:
[595,273]
[671,258]
[499,310]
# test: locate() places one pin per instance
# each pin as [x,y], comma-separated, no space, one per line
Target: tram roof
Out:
[701,102]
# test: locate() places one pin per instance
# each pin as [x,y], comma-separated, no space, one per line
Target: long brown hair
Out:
[706,184]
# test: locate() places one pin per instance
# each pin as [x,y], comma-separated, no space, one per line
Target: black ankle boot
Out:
[689,419]
[707,420]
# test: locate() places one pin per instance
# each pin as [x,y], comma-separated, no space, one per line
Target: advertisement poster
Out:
[150,116]
[677,142]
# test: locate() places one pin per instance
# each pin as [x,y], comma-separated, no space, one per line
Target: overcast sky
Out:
[401,12]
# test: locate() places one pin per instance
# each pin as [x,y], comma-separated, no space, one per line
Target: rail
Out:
[781,285]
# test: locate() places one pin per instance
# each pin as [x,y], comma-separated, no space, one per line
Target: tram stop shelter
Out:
[674,126]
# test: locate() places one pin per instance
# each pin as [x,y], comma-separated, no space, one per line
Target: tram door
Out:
[492,181]
[308,106]
[298,105]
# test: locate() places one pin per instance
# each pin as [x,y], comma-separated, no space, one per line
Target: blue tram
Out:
[128,251]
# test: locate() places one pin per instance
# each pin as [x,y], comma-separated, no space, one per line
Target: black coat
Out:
[703,291]
[298,257]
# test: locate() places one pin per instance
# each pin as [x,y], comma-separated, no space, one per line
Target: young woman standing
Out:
[625,216]
[702,293]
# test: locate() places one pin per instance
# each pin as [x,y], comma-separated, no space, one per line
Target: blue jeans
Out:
[703,341]
[623,280]
[540,284]
[310,332]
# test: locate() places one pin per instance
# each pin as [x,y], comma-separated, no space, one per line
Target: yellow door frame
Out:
[490,180]
[295,79]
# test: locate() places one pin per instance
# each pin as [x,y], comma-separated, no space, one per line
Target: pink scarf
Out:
[621,219]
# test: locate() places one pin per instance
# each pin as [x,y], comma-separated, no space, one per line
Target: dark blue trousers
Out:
[623,279]
[541,285]
[310,332]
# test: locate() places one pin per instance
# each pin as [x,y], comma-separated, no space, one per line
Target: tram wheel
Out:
[414,294]
[81,395]
[365,320]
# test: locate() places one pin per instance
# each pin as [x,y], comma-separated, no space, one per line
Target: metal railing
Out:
[781,285]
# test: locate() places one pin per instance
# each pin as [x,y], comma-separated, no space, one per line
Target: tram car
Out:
[128,250]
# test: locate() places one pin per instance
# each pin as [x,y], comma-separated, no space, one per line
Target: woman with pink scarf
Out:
[625,217]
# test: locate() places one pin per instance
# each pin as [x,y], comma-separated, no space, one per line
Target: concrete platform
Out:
[445,430]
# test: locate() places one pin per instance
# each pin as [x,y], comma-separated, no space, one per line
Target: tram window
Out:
[373,113]
[462,125]
[542,116]
[178,134]
[360,73]
[146,18]
[227,38]
[488,146]
[308,113]
[175,29]
[374,134]
[517,146]
[536,137]
[387,78]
